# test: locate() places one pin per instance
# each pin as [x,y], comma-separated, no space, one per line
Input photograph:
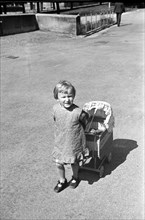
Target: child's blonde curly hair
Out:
[63,86]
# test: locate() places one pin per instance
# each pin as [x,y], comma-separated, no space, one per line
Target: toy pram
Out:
[99,135]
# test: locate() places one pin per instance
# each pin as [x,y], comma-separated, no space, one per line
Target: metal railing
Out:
[95,22]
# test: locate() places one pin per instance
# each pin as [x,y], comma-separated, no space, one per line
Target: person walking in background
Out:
[70,143]
[119,8]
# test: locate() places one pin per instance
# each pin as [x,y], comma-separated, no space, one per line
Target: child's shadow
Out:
[121,148]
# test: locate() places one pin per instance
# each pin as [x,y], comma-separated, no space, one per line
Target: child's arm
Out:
[84,119]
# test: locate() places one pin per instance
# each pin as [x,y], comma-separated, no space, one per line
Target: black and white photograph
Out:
[72,110]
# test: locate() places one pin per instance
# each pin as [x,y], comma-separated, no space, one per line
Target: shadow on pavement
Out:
[121,149]
[125,24]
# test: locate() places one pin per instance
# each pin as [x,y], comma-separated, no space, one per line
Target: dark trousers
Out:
[118,18]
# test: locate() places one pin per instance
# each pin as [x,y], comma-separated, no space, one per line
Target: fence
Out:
[91,23]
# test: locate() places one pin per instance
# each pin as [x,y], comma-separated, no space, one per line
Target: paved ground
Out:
[106,66]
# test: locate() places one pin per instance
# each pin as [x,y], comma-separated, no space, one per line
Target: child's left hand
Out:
[101,127]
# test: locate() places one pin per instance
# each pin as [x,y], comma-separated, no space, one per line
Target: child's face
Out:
[66,98]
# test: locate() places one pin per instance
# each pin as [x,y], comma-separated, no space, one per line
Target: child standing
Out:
[70,143]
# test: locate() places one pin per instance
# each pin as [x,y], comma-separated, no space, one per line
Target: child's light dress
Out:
[70,141]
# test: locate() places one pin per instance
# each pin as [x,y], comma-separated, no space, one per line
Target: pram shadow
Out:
[121,149]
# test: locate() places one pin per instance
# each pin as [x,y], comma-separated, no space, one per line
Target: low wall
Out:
[67,24]
[13,24]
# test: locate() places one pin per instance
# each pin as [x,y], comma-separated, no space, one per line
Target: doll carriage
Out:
[99,135]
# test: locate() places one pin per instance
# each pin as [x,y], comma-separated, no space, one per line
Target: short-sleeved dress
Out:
[70,141]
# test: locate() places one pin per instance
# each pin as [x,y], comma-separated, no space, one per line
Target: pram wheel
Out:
[109,158]
[101,172]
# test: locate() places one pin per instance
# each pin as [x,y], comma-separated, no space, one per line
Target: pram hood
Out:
[92,107]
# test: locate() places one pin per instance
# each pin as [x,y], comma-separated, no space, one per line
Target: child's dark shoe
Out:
[74,182]
[60,186]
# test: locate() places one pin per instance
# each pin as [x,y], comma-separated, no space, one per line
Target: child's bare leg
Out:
[75,180]
[61,172]
[62,182]
[75,170]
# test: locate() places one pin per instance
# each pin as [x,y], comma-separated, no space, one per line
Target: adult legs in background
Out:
[118,18]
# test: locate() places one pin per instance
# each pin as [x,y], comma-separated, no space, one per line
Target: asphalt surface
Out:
[106,66]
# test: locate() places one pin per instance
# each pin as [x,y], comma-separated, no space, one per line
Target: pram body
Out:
[99,135]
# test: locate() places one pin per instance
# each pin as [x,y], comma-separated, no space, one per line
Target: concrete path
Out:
[106,66]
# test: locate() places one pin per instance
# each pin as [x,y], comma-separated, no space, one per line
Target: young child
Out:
[70,143]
